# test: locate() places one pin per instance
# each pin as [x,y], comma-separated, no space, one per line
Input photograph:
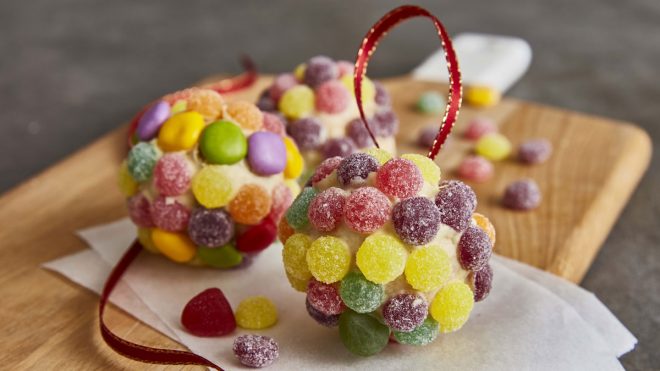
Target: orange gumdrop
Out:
[284,230]
[246,115]
[485,225]
[251,204]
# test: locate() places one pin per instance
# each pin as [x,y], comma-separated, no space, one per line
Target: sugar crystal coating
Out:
[399,178]
[382,96]
[355,169]
[282,83]
[476,168]
[319,70]
[479,127]
[381,258]
[211,187]
[430,171]
[169,214]
[297,102]
[139,210]
[360,294]
[208,314]
[338,147]
[358,133]
[416,220]
[326,209]
[246,114]
[281,197]
[332,97]
[456,202]
[324,298]
[522,195]
[431,102]
[452,305]
[474,249]
[274,123]
[385,123]
[493,146]
[255,313]
[345,68]
[206,102]
[255,350]
[141,161]
[422,335]
[426,137]
[296,216]
[284,230]
[366,210]
[534,151]
[172,174]
[362,334]
[325,168]
[428,268]
[210,227]
[329,259]
[481,281]
[250,205]
[379,154]
[327,320]
[306,132]
[294,256]
[405,312]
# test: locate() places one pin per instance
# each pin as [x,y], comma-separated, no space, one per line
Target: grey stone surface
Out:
[70,70]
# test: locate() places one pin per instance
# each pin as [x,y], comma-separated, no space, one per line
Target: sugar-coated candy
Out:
[324,298]
[426,137]
[416,220]
[422,335]
[368,88]
[481,96]
[181,132]
[256,351]
[178,107]
[428,268]
[452,305]
[169,214]
[250,205]
[176,246]
[360,294]
[246,114]
[405,312]
[210,227]
[325,168]
[266,153]
[144,237]
[431,102]
[152,119]
[326,209]
[220,257]
[172,174]
[534,151]
[476,168]
[399,178]
[223,143]
[139,210]
[265,103]
[430,171]
[362,334]
[332,97]
[338,147]
[274,123]
[367,209]
[358,133]
[327,320]
[355,168]
[456,202]
[141,161]
[306,132]
[481,281]
[379,154]
[382,96]
[385,123]
[205,101]
[478,127]
[281,200]
[328,259]
[282,83]
[297,102]
[494,146]
[522,195]
[320,69]
[345,68]
[257,237]
[208,314]
[298,284]
[255,313]
[212,187]
[294,255]
[297,213]
[474,249]
[485,224]
[284,230]
[294,160]
[381,258]
[127,185]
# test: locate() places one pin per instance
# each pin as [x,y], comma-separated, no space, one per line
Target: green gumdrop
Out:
[297,213]
[221,257]
[141,161]
[431,102]
[360,294]
[422,335]
[223,143]
[362,334]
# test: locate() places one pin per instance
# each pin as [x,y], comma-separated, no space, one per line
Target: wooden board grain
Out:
[46,322]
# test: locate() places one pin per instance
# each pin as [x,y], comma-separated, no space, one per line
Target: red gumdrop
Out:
[282,198]
[479,127]
[257,237]
[324,298]
[476,168]
[332,97]
[172,174]
[170,215]
[399,178]
[326,209]
[274,123]
[325,168]
[366,210]
[208,314]
[139,210]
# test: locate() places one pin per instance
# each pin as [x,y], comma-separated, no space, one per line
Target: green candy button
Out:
[221,257]
[223,143]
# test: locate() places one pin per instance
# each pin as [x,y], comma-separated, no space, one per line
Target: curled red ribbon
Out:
[378,31]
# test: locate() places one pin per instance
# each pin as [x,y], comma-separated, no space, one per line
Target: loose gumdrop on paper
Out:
[326,209]
[294,255]
[169,214]
[327,320]
[139,210]
[360,294]
[485,224]
[274,123]
[428,268]
[256,351]
[452,305]
[297,213]
[257,237]
[255,313]
[354,169]
[431,102]
[456,202]
[522,195]
[284,230]
[220,257]
[381,258]
[127,185]
[212,187]
[281,200]
[210,227]
[246,114]
[476,168]
[325,168]
[379,154]
[306,132]
[399,178]
[482,281]
[141,161]
[405,312]
[362,334]
[494,146]
[534,151]
[328,259]
[250,205]
[416,220]
[382,96]
[338,147]
[297,102]
[332,97]
[319,70]
[479,127]
[430,171]
[324,297]
[208,314]
[386,123]
[422,335]
[205,101]
[281,84]
[474,249]
[358,133]
[426,137]
[367,209]
[172,174]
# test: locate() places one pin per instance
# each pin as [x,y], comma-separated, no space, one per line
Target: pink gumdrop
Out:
[399,178]
[274,123]
[332,97]
[172,174]
[476,168]
[478,127]
[281,84]
[326,209]
[139,211]
[325,168]
[345,68]
[281,200]
[366,210]
[324,298]
[169,214]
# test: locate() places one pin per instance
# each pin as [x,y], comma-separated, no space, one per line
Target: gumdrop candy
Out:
[431,102]
[327,320]
[416,220]
[169,214]
[534,151]
[319,70]
[324,298]
[328,259]
[428,268]
[485,224]
[141,161]
[452,305]
[257,237]
[399,178]
[355,169]
[367,209]
[325,168]
[246,114]
[306,132]
[256,351]
[381,258]
[210,227]
[211,187]
[326,209]
[208,314]
[172,174]
[494,146]
[360,294]
[341,147]
[479,127]
[127,185]
[422,335]
[456,202]
[296,216]
[379,154]
[281,84]
[294,256]
[362,334]
[250,205]
[482,281]
[405,312]
[476,168]
[297,102]
[430,171]
[474,249]
[332,97]
[139,210]
[522,195]
[255,313]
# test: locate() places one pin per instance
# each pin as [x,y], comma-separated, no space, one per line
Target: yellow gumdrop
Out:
[493,146]
[144,236]
[212,187]
[180,132]
[256,313]
[430,171]
[294,160]
[127,185]
[368,88]
[299,71]
[178,107]
[428,268]
[452,305]
[381,258]
[176,246]
[294,187]
[297,283]
[481,96]
[294,255]
[297,102]
[485,224]
[380,154]
[329,259]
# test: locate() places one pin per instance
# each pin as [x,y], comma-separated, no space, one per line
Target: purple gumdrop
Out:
[255,350]
[306,132]
[474,249]
[152,119]
[416,220]
[265,102]
[405,312]
[266,153]
[482,282]
[456,202]
[382,96]
[359,134]
[386,123]
[210,227]
[427,137]
[355,168]
[341,147]
[320,317]
[319,70]
[522,195]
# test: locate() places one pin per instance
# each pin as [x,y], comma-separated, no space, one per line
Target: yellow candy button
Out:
[144,236]
[127,185]
[294,161]
[176,246]
[481,96]
[180,132]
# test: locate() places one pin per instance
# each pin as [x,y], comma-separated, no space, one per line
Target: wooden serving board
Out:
[49,322]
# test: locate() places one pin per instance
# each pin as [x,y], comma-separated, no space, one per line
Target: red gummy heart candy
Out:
[257,237]
[208,314]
